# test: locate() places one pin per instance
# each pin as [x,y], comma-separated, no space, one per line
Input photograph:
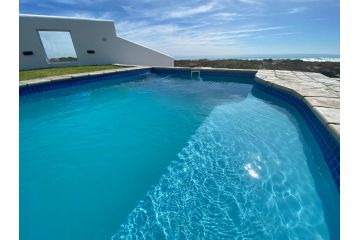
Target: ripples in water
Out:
[239,177]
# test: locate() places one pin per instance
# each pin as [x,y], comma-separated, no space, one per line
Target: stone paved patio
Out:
[319,92]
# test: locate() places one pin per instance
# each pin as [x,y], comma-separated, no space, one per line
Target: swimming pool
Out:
[154,154]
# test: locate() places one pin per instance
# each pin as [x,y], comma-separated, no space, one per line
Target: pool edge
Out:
[327,138]
[283,84]
[295,92]
[259,78]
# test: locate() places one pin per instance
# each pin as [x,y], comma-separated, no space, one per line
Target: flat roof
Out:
[64,17]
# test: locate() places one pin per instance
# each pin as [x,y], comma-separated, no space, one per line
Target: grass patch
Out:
[50,72]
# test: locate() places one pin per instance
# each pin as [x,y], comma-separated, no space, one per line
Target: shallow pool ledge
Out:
[320,93]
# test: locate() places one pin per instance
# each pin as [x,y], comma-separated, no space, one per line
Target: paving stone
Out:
[22,83]
[331,115]
[79,75]
[315,75]
[283,71]
[321,92]
[316,93]
[57,78]
[324,102]
[306,79]
[37,81]
[335,88]
[298,86]
[69,76]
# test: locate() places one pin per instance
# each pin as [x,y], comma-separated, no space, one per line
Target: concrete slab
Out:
[316,93]
[323,102]
[330,115]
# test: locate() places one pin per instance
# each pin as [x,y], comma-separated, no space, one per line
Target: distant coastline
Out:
[328,68]
[303,57]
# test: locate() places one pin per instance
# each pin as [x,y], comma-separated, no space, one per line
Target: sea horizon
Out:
[304,57]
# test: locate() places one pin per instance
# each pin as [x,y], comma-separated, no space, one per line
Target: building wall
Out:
[86,34]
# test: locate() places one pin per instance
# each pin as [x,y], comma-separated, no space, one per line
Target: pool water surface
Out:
[162,157]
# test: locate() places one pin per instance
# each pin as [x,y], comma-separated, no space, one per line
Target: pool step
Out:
[196,74]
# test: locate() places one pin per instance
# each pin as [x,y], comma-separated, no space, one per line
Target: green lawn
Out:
[49,72]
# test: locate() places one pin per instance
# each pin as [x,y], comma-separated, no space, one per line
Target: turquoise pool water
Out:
[161,157]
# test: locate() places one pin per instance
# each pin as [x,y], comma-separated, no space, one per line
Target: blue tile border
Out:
[74,81]
[242,76]
[328,143]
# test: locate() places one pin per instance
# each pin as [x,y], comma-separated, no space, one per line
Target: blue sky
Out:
[212,28]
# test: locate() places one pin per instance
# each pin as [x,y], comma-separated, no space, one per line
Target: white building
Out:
[94,43]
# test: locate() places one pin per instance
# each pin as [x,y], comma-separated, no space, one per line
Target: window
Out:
[58,46]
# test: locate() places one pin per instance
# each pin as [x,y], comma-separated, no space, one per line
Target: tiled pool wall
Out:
[242,76]
[326,140]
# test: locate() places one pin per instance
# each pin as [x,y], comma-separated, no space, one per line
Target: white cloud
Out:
[192,26]
[305,1]
[190,11]
[87,14]
[200,39]
[76,2]
[64,2]
[296,10]
[254,2]
[228,16]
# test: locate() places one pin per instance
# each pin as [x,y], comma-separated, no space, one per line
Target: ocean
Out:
[304,57]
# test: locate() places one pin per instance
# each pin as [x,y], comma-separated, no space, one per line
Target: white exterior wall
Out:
[86,34]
